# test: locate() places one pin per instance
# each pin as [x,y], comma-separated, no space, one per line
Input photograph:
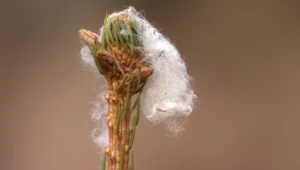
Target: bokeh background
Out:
[242,55]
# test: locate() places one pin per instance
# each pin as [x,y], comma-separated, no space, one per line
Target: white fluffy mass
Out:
[100,109]
[167,96]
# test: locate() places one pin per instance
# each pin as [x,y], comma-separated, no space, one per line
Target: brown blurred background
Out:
[243,56]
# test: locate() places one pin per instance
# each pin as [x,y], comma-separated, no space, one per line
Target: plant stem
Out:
[118,149]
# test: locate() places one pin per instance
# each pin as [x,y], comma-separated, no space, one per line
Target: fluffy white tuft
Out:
[99,112]
[87,57]
[100,109]
[168,96]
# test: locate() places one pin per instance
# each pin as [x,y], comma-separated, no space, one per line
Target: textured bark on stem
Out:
[118,143]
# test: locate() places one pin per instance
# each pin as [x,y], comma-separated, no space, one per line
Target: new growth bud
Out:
[88,37]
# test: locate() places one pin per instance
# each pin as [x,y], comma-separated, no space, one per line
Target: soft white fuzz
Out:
[99,112]
[87,57]
[167,96]
[100,109]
